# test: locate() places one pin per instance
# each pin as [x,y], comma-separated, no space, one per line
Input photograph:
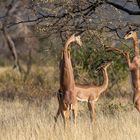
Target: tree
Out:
[13,12]
[97,17]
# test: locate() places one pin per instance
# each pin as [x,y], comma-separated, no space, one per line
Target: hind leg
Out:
[60,107]
[57,114]
[91,106]
[66,119]
[137,105]
[136,100]
[75,113]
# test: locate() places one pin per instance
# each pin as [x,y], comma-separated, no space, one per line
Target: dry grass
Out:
[26,112]
[27,121]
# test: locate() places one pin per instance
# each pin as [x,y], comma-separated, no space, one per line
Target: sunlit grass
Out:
[24,121]
[27,111]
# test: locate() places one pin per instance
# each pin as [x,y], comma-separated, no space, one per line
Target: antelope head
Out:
[76,38]
[104,65]
[131,33]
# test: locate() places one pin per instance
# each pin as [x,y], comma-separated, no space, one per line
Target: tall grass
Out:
[27,111]
[27,121]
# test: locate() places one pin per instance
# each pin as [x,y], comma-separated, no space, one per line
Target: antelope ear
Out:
[73,35]
[130,28]
[76,34]
[136,29]
[79,33]
[109,61]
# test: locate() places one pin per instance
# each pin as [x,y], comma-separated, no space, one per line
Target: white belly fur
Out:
[86,100]
[82,100]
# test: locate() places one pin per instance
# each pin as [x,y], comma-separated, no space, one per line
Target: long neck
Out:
[136,45]
[104,85]
[65,51]
[128,61]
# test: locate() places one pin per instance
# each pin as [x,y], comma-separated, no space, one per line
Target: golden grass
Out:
[27,111]
[21,120]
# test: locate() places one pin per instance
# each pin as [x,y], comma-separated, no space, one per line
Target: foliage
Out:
[91,56]
[40,83]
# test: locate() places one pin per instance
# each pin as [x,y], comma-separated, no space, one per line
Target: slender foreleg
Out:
[91,105]
[75,113]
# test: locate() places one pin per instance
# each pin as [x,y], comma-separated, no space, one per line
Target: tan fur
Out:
[88,93]
[92,93]
[67,83]
[133,35]
[134,68]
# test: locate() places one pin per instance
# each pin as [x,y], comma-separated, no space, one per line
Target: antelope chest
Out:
[136,61]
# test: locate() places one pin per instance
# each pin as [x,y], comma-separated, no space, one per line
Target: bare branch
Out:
[113,49]
[120,7]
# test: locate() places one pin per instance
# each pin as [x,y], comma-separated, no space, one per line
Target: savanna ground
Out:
[27,111]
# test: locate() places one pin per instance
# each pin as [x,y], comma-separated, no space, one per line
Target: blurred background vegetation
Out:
[38,29]
[32,34]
